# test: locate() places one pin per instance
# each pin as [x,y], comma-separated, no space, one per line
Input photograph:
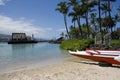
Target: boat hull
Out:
[100,58]
[21,42]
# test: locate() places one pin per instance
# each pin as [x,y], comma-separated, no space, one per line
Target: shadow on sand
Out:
[97,63]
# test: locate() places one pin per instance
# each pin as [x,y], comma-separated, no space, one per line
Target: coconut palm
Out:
[74,32]
[93,21]
[99,18]
[111,22]
[99,13]
[77,11]
[63,8]
[118,14]
[109,6]
[72,3]
[74,18]
[87,5]
[104,8]
[82,8]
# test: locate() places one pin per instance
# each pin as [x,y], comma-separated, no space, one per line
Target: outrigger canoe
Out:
[110,57]
[105,52]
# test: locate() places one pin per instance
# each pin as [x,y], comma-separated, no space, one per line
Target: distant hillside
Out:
[5,35]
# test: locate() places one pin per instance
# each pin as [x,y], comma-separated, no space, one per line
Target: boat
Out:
[21,42]
[105,52]
[21,38]
[106,57]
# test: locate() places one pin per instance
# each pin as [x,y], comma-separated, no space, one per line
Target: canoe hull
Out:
[97,57]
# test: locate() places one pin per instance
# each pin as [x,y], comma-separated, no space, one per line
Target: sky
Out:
[36,17]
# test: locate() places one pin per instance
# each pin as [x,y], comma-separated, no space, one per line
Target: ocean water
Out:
[20,56]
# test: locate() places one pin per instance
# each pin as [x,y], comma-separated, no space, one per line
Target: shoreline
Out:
[71,69]
[32,65]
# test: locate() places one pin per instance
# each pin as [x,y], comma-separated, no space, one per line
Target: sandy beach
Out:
[67,70]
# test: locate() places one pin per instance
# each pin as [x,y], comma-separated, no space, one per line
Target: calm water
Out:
[19,56]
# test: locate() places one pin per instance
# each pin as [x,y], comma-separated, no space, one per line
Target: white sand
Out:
[68,70]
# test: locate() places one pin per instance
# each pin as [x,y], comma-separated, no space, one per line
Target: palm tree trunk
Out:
[109,8]
[100,26]
[78,21]
[109,12]
[74,24]
[66,25]
[86,14]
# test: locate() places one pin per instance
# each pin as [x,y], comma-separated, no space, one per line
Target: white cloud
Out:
[2,2]
[9,25]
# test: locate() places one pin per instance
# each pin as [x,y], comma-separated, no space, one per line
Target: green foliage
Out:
[115,34]
[101,20]
[74,33]
[76,44]
[115,42]
[62,7]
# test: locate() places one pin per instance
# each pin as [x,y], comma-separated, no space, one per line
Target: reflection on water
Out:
[19,54]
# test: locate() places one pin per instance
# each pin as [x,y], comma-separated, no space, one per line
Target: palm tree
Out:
[63,8]
[111,22]
[87,5]
[78,9]
[109,6]
[99,13]
[104,22]
[99,19]
[118,14]
[93,21]
[109,12]
[74,32]
[73,2]
[76,13]
[74,17]
[104,8]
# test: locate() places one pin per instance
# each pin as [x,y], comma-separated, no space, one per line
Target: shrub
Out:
[76,44]
[115,42]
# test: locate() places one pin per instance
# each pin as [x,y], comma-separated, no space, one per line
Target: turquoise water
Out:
[17,56]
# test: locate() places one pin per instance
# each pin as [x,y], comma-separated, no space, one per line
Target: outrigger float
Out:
[102,56]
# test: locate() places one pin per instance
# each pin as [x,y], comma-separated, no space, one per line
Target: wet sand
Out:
[72,69]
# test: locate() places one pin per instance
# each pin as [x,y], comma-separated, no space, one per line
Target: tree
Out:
[109,6]
[63,8]
[111,22]
[118,14]
[104,8]
[74,32]
[87,5]
[93,23]
[77,11]
[99,19]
